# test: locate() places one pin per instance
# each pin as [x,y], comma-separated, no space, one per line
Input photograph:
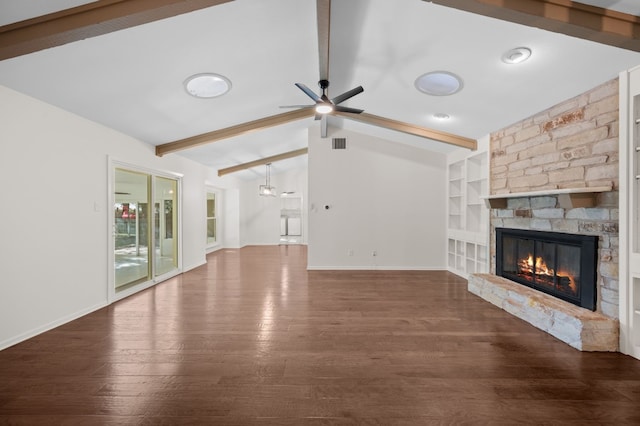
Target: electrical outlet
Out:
[374,253]
[350,252]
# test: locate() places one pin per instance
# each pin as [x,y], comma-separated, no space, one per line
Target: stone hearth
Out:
[578,327]
[571,147]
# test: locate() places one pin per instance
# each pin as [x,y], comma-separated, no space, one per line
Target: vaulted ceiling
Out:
[127,71]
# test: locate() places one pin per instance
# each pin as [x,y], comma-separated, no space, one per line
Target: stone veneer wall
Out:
[571,145]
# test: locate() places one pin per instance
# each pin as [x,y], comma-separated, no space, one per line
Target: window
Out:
[211,219]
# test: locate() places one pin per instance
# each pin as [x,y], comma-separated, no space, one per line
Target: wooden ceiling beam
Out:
[262,161]
[561,16]
[411,129]
[323,8]
[237,130]
[89,20]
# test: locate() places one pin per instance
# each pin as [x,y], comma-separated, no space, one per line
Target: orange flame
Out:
[540,267]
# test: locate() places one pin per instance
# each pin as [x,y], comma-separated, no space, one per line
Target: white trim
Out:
[50,326]
[111,228]
[376,268]
[214,247]
[625,301]
[458,272]
[217,245]
[145,285]
[194,266]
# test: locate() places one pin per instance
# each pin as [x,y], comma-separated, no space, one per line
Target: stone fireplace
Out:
[562,265]
[557,172]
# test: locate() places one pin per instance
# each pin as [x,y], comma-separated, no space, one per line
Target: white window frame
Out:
[211,247]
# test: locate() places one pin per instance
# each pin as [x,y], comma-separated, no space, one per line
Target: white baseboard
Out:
[457,272]
[194,266]
[50,326]
[376,268]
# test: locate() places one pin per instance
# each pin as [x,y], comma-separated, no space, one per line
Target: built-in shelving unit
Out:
[468,216]
[455,194]
[477,186]
[629,213]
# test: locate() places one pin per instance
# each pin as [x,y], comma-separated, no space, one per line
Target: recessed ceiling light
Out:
[441,116]
[439,83]
[516,56]
[207,85]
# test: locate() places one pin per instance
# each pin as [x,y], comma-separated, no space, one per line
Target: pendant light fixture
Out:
[267,190]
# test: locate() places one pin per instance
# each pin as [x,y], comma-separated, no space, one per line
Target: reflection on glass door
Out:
[132,239]
[141,223]
[166,221]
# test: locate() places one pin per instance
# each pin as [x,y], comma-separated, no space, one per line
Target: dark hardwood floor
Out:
[253,338]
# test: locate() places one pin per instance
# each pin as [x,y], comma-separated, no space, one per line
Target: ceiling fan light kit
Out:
[207,85]
[324,108]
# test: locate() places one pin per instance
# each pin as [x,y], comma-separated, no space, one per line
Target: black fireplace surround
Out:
[563,265]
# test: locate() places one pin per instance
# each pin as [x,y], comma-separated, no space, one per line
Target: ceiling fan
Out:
[323,107]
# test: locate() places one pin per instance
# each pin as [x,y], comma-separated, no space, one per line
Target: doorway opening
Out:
[290,218]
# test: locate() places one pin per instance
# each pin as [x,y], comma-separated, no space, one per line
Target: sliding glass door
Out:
[145,215]
[132,238]
[165,225]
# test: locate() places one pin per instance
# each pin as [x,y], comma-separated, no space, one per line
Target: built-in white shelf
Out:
[468,217]
[568,198]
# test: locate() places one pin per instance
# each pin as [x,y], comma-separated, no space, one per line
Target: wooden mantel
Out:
[568,198]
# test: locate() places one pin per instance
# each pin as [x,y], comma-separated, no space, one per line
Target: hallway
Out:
[253,338]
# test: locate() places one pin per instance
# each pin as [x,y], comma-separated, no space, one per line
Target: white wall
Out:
[382,196]
[54,212]
[260,216]
[231,219]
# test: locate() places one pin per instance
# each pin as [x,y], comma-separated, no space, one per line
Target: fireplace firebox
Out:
[563,265]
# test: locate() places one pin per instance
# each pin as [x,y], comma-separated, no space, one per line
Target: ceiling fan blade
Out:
[347,109]
[310,93]
[297,106]
[346,95]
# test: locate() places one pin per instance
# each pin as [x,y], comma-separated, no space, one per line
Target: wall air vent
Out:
[339,143]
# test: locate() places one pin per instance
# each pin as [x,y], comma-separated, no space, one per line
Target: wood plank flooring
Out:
[253,338]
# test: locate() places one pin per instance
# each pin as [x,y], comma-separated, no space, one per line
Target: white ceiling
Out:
[131,80]
[631,7]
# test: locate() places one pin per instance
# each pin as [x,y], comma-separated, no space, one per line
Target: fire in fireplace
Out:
[563,265]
